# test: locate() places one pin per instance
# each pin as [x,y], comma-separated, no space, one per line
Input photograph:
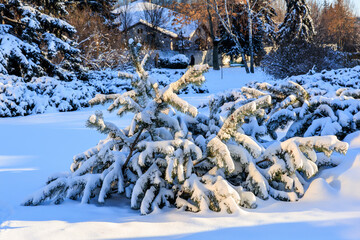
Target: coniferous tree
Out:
[35,41]
[297,25]
[193,162]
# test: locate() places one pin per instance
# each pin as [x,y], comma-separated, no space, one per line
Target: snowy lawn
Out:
[34,147]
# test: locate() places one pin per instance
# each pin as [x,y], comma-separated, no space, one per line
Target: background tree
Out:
[101,44]
[102,7]
[280,9]
[124,18]
[222,12]
[205,17]
[34,43]
[297,25]
[253,23]
[338,25]
[156,16]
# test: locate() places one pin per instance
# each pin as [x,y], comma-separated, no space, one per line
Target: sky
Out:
[356,4]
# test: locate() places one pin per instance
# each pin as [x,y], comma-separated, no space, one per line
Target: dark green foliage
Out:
[296,59]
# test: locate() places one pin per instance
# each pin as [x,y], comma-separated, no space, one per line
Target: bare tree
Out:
[124,18]
[100,44]
[205,18]
[224,18]
[280,8]
[214,39]
[259,10]
[155,15]
[338,25]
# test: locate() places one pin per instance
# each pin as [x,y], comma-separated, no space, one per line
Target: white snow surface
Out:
[34,147]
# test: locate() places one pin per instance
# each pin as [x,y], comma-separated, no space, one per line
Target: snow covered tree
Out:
[315,116]
[149,160]
[279,169]
[294,109]
[297,25]
[172,156]
[33,43]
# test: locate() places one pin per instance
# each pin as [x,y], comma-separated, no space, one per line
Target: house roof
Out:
[170,25]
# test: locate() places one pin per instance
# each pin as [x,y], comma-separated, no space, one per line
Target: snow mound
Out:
[178,61]
[350,180]
[353,140]
[318,191]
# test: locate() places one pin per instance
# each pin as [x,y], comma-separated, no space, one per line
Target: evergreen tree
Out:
[102,7]
[35,42]
[297,25]
[191,161]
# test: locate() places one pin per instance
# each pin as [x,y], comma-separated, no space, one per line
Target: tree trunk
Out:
[241,51]
[216,65]
[250,38]
[215,42]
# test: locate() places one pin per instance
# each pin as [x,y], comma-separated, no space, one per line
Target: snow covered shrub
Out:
[178,61]
[39,95]
[19,98]
[326,83]
[150,160]
[180,158]
[275,168]
[295,59]
[293,109]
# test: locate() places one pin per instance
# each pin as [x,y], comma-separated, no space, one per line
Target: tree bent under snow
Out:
[172,156]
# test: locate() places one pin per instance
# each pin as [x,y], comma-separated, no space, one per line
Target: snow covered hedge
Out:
[178,61]
[179,158]
[19,98]
[326,83]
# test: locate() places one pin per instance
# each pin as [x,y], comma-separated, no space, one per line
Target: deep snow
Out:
[34,147]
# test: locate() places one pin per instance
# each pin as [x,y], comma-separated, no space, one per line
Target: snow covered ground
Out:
[34,147]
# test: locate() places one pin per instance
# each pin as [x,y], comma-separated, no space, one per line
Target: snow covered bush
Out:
[267,168]
[178,61]
[319,112]
[300,58]
[39,95]
[172,156]
[44,94]
[326,83]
